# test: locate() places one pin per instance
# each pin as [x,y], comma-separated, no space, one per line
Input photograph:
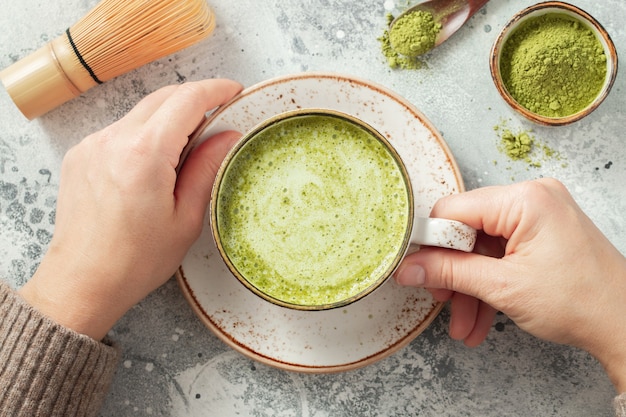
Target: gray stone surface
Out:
[172,365]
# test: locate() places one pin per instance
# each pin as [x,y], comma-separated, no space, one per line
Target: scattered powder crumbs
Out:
[524,146]
[517,146]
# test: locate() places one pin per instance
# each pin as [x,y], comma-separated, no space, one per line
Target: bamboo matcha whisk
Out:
[113,38]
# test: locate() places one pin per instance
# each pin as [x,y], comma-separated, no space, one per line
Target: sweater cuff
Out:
[47,369]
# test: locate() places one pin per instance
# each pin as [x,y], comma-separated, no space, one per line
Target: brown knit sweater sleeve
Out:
[46,369]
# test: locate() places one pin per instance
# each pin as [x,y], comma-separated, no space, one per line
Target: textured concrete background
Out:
[172,365]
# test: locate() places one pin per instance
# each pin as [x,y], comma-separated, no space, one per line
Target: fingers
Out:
[470,320]
[187,105]
[498,210]
[511,212]
[149,104]
[179,115]
[165,119]
[488,209]
[464,310]
[441,295]
[482,326]
[195,179]
[443,269]
[506,217]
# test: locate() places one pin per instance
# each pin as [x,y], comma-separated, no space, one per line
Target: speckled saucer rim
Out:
[236,344]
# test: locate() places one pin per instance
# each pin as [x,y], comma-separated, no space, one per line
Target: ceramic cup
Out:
[571,12]
[313,209]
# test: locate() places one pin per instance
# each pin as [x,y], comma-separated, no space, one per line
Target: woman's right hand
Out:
[556,275]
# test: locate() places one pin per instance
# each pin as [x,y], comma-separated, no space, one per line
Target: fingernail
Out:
[413,276]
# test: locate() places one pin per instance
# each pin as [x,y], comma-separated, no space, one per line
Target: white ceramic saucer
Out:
[348,337]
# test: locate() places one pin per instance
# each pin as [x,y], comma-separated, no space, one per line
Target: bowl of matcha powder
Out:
[553,63]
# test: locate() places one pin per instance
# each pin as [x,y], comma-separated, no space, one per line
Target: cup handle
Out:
[443,233]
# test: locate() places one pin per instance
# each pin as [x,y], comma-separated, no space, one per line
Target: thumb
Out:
[444,269]
[196,177]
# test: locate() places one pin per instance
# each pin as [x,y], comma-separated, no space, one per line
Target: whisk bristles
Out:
[116,36]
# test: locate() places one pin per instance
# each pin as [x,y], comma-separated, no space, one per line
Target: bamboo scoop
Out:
[116,36]
[451,14]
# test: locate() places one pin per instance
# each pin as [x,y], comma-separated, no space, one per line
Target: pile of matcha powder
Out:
[553,65]
[410,37]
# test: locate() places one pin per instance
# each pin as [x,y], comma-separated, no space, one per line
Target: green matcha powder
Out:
[553,65]
[410,37]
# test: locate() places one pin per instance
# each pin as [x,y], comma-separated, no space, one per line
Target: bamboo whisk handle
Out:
[46,78]
[116,36]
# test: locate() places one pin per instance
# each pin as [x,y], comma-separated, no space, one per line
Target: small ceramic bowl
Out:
[535,11]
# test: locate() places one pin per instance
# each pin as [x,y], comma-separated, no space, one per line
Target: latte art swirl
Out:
[313,210]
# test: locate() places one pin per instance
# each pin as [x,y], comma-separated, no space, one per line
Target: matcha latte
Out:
[312,211]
